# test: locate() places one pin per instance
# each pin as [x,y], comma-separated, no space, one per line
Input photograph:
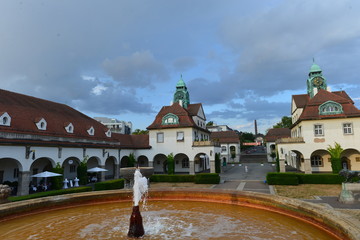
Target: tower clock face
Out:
[318,81]
[179,95]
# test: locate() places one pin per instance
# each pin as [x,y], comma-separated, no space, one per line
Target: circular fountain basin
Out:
[217,214]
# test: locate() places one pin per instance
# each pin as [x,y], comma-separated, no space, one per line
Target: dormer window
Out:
[170,119]
[330,108]
[108,133]
[69,128]
[41,124]
[91,131]
[5,119]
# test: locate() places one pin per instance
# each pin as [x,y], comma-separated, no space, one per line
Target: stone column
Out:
[212,166]
[23,184]
[282,165]
[117,171]
[307,166]
[192,167]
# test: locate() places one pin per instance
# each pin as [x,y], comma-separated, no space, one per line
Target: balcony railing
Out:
[205,143]
[290,140]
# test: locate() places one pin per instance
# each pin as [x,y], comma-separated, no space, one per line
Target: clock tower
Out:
[316,81]
[181,94]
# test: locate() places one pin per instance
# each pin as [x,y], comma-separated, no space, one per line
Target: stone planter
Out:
[5,191]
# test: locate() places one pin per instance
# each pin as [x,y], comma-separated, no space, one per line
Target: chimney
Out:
[256,132]
[181,102]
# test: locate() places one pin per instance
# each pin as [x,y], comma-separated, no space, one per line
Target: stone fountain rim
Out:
[336,222]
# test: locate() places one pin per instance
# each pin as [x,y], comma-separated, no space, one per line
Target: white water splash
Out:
[140,186]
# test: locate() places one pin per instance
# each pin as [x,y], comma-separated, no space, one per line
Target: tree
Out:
[171,164]
[140,132]
[211,123]
[82,171]
[132,161]
[217,163]
[285,122]
[335,156]
[246,137]
[57,182]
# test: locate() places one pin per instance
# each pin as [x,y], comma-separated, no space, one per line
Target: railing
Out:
[205,143]
[290,140]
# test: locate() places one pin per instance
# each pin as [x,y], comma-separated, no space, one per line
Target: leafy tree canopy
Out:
[247,137]
[285,122]
[211,123]
[140,132]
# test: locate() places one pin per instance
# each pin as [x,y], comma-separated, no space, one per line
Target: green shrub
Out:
[57,182]
[172,178]
[82,171]
[109,185]
[320,178]
[282,179]
[207,178]
[50,193]
[170,163]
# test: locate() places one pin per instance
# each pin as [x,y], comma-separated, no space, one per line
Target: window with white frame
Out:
[347,128]
[223,149]
[316,161]
[318,130]
[180,136]
[160,137]
[5,119]
[185,163]
[41,124]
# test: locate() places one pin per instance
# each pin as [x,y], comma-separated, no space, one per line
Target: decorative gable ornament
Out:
[170,119]
[330,108]
[91,131]
[69,128]
[108,133]
[5,119]
[41,124]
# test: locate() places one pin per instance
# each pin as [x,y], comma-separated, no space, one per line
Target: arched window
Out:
[170,119]
[330,108]
[223,149]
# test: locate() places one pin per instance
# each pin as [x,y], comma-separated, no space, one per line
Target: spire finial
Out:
[313,60]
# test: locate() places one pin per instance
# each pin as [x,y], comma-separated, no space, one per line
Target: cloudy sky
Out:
[122,59]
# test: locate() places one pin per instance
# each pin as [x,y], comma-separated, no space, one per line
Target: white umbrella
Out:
[47,174]
[97,169]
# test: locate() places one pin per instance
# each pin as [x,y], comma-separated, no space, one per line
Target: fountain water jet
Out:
[140,187]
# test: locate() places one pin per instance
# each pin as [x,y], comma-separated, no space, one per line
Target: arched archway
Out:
[350,159]
[320,161]
[70,166]
[40,165]
[93,162]
[9,173]
[160,163]
[124,161]
[201,163]
[110,165]
[143,161]
[182,163]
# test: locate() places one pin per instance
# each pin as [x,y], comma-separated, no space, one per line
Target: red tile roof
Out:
[225,137]
[276,133]
[311,106]
[184,115]
[25,111]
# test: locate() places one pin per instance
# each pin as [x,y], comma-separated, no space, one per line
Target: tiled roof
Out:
[301,100]
[275,133]
[25,111]
[311,106]
[184,115]
[225,136]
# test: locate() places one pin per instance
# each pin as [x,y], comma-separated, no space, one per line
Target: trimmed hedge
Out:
[301,178]
[109,185]
[50,193]
[207,178]
[282,179]
[172,178]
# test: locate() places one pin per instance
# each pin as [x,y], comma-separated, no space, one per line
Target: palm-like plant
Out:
[335,153]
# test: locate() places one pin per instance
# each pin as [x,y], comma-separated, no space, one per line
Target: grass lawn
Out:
[308,191]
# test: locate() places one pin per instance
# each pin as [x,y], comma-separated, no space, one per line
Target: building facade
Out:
[115,125]
[36,135]
[320,119]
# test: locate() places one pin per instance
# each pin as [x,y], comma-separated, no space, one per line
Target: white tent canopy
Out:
[46,174]
[97,169]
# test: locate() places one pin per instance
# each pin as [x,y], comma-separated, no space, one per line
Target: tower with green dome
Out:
[316,81]
[181,94]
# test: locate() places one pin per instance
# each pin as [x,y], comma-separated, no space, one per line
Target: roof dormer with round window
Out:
[41,124]
[5,119]
[69,127]
[91,131]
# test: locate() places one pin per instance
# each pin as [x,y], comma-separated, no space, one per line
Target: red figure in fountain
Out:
[136,228]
